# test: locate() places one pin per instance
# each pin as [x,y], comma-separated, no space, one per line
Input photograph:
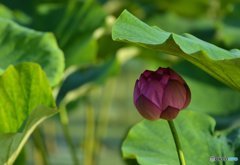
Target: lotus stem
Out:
[67,136]
[177,143]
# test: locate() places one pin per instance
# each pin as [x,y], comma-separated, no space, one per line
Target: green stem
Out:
[89,136]
[177,143]
[40,146]
[64,125]
[103,116]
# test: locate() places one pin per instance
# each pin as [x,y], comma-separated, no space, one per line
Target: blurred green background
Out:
[95,96]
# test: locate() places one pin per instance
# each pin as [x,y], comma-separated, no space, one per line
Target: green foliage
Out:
[219,63]
[83,51]
[25,101]
[75,30]
[19,44]
[91,74]
[151,142]
[82,29]
[71,22]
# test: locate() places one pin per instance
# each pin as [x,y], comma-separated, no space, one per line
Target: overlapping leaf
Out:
[25,101]
[222,64]
[19,44]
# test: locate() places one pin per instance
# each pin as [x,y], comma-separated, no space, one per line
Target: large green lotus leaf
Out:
[151,142]
[218,62]
[25,101]
[19,44]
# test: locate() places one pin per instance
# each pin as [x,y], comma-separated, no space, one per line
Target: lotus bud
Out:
[161,94]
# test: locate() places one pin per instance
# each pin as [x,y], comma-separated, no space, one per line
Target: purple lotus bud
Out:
[161,94]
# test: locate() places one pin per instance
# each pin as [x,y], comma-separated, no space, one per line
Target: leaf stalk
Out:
[177,142]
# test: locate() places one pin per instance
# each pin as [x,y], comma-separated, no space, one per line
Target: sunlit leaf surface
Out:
[25,101]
